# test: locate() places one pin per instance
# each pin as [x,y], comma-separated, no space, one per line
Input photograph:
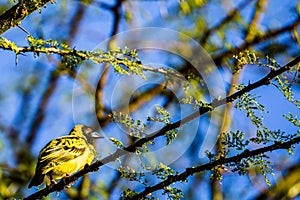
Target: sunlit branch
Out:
[86,55]
[18,12]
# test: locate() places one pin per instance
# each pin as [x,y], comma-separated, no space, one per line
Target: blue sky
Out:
[62,110]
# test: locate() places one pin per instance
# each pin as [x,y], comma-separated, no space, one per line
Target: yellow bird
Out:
[65,155]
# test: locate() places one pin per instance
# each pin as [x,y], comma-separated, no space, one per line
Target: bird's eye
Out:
[88,129]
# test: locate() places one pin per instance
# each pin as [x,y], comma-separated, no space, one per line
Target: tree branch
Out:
[256,40]
[215,103]
[192,170]
[18,12]
[216,187]
[84,55]
[231,14]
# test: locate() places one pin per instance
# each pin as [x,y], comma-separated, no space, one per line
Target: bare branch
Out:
[192,170]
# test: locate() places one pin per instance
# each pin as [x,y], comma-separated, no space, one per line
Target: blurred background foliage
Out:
[37,91]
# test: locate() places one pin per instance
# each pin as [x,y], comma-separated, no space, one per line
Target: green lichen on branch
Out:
[18,12]
[124,61]
[7,44]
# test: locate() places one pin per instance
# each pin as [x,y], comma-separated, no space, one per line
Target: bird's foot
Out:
[53,182]
[68,174]
[71,183]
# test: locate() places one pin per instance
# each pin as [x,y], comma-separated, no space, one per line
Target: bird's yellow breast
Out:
[65,155]
[73,165]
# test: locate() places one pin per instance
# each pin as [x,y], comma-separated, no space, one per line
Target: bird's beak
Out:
[96,135]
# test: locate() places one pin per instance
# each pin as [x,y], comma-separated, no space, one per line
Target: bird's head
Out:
[85,131]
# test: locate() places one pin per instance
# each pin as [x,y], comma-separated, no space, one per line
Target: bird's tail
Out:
[37,179]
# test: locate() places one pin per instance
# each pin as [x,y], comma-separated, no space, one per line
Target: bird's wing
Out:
[60,150]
